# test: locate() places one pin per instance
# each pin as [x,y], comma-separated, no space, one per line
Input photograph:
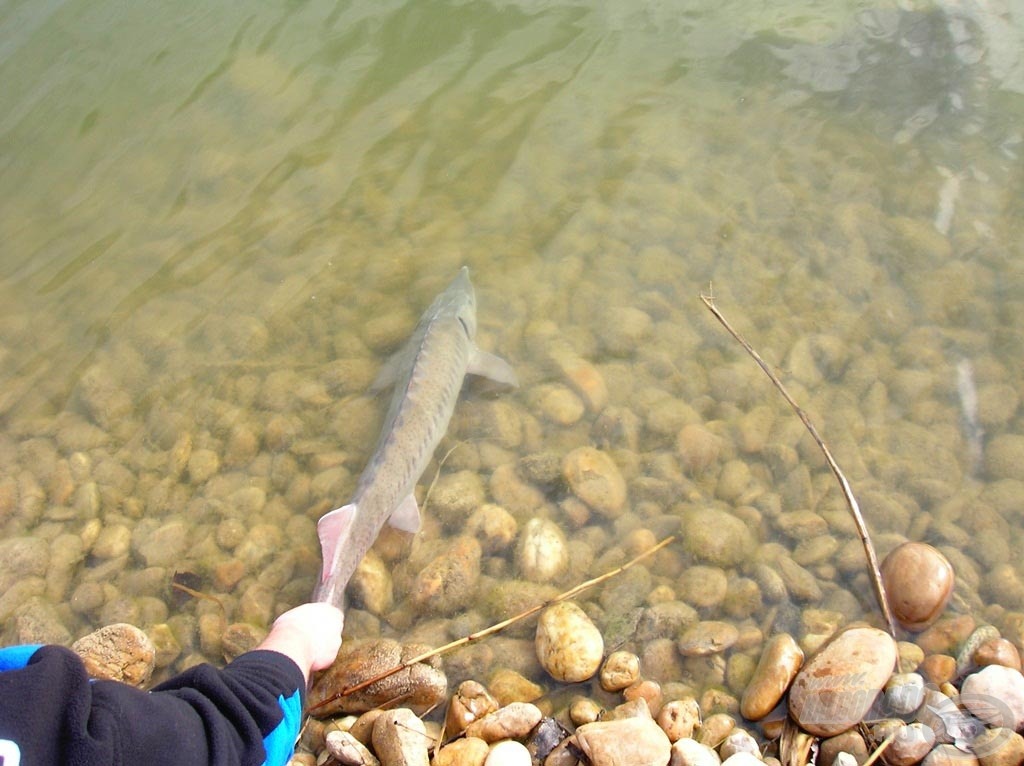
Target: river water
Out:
[218,220]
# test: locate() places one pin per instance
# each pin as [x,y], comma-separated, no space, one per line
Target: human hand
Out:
[310,634]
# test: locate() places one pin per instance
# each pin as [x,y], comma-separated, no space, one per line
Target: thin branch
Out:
[571,593]
[851,501]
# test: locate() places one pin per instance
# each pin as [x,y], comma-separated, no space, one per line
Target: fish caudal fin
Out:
[491,366]
[331,528]
[406,516]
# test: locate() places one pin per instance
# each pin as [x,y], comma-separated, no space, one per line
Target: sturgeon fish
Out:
[427,375]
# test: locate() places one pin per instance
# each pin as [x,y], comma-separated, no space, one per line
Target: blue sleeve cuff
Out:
[15,657]
[280,743]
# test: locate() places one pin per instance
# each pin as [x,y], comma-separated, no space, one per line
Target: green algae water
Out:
[218,220]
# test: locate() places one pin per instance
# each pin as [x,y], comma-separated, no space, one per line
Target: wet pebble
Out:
[637,741]
[698,448]
[739,741]
[837,686]
[400,739]
[493,527]
[22,557]
[1004,456]
[542,554]
[557,403]
[594,478]
[904,693]
[371,584]
[118,652]
[449,582]
[455,496]
[162,546]
[780,661]
[569,646]
[997,651]
[509,686]
[421,686]
[619,670]
[999,747]
[690,752]
[470,703]
[703,586]
[911,742]
[467,751]
[679,718]
[918,582]
[513,721]
[707,637]
[348,750]
[999,683]
[509,753]
[716,537]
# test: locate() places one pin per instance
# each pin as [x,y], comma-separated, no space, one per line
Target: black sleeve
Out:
[246,714]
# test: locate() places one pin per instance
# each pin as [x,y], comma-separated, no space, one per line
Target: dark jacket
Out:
[245,714]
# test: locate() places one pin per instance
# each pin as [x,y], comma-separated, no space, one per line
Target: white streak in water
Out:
[968,394]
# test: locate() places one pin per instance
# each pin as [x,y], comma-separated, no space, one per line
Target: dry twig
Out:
[851,501]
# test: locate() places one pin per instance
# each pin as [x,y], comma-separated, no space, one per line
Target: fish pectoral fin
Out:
[406,516]
[331,528]
[391,369]
[491,366]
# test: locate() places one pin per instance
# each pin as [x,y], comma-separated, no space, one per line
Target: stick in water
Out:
[572,592]
[851,501]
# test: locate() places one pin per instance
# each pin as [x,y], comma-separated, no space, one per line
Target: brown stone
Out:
[918,582]
[938,668]
[779,664]
[997,651]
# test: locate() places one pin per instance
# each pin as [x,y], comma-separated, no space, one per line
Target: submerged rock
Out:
[421,686]
[569,645]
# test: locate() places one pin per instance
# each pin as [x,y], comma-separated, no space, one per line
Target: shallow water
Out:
[217,222]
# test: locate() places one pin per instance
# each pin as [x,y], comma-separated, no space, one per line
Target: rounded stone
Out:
[838,685]
[997,651]
[1004,456]
[918,582]
[466,751]
[514,721]
[707,637]
[542,554]
[509,753]
[569,646]
[595,479]
[995,694]
[690,752]
[716,537]
[620,670]
[118,652]
[679,718]
[703,587]
[698,448]
[778,666]
[637,741]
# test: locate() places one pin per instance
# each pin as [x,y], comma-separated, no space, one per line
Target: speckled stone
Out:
[569,645]
[838,685]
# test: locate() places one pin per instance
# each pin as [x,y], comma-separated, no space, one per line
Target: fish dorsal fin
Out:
[491,366]
[406,516]
[331,528]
